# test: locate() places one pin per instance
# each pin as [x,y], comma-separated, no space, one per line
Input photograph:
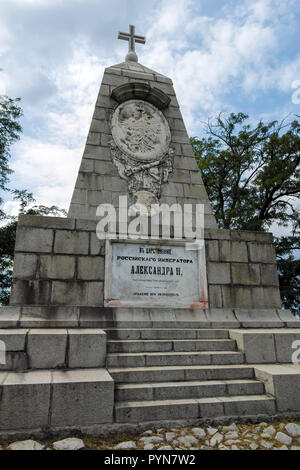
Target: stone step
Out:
[174,359]
[132,346]
[191,408]
[180,373]
[192,389]
[165,333]
[59,398]
[45,348]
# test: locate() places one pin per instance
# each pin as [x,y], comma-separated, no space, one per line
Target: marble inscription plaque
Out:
[148,275]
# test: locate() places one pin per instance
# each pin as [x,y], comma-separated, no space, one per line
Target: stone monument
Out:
[106,330]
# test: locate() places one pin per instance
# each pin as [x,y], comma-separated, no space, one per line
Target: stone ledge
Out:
[37,399]
[283,382]
[32,316]
[266,345]
[46,222]
[141,91]
[44,348]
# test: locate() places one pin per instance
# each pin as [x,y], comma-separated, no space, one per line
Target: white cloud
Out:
[57,59]
[51,170]
[237,49]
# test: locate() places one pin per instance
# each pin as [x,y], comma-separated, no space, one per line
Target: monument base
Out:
[103,371]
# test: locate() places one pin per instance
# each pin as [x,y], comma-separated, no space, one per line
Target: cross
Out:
[132,38]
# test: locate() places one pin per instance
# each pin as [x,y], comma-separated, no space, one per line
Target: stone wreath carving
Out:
[141,149]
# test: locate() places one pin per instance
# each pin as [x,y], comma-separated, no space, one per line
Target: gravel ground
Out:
[283,435]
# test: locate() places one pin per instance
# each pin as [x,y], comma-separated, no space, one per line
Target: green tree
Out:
[8,237]
[252,177]
[10,130]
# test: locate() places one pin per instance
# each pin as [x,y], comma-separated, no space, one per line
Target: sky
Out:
[223,56]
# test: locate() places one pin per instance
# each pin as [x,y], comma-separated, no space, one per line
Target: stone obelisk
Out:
[163,170]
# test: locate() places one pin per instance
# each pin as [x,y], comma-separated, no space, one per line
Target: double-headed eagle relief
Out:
[141,149]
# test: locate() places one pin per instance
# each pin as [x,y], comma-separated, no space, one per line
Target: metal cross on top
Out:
[132,38]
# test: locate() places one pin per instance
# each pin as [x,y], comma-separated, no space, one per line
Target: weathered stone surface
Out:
[25,266]
[293,429]
[128,445]
[199,433]
[269,432]
[283,382]
[69,293]
[216,439]
[284,341]
[212,431]
[257,346]
[152,440]
[233,251]
[26,445]
[87,348]
[67,242]
[71,443]
[247,274]
[170,436]
[36,240]
[46,222]
[14,339]
[188,441]
[46,349]
[283,438]
[265,444]
[262,253]
[57,267]
[219,273]
[90,269]
[25,400]
[84,389]
[269,274]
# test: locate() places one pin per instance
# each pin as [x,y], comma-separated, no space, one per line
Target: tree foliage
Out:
[10,130]
[252,176]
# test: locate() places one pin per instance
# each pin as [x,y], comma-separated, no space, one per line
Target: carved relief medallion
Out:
[141,147]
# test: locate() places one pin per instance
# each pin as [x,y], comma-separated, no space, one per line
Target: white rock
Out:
[270,431]
[251,436]
[151,439]
[199,432]
[230,442]
[232,435]
[188,441]
[165,448]
[222,447]
[170,436]
[257,430]
[212,431]
[128,445]
[71,443]
[231,427]
[283,438]
[147,433]
[26,445]
[235,448]
[282,448]
[295,448]
[216,439]
[266,445]
[293,429]
[253,446]
[148,447]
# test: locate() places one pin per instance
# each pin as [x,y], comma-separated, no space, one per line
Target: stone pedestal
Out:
[87,347]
